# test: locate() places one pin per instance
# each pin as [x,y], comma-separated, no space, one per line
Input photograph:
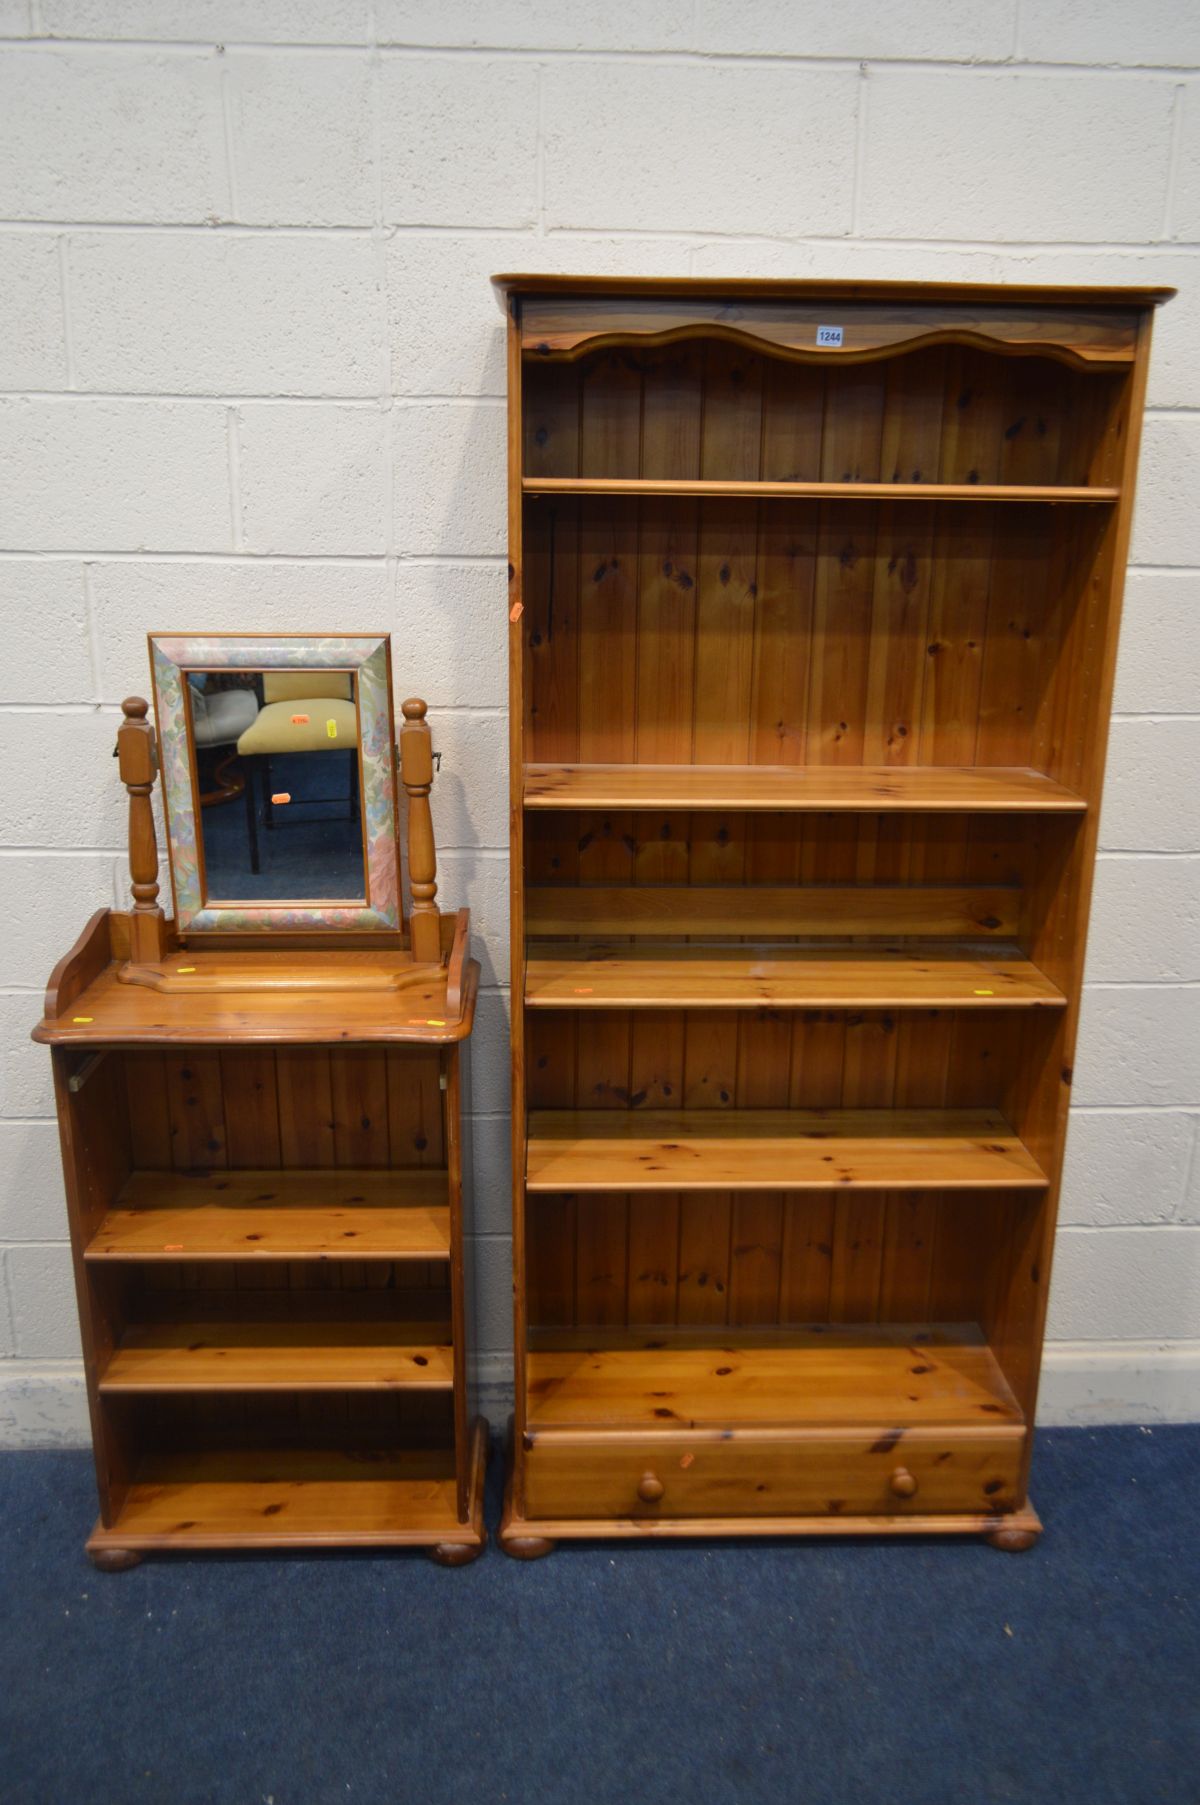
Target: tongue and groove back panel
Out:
[671,630]
[730,550]
[668,630]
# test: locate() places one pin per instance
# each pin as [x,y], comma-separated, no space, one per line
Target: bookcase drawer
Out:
[856,1473]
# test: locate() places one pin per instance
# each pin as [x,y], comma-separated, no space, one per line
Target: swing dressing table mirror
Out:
[260,1103]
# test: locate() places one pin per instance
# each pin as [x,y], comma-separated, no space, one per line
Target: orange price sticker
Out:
[299,720]
[172,1246]
[687,1460]
[282,796]
[516,611]
[583,990]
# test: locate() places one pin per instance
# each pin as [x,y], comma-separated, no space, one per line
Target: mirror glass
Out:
[278,785]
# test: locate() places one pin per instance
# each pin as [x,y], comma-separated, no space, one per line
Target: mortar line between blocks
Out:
[362,402]
[1126,1228]
[385,401]
[540,151]
[966,64]
[1193,1161]
[860,151]
[1178,102]
[64,289]
[123,555]
[8,1301]
[93,633]
[1017,247]
[377,136]
[235,478]
[227,132]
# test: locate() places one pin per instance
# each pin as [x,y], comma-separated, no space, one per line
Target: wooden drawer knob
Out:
[903,1483]
[650,1488]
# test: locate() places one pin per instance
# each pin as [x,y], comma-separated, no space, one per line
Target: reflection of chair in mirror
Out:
[219,718]
[263,1146]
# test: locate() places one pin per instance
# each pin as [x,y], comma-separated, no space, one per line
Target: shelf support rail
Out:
[86,1069]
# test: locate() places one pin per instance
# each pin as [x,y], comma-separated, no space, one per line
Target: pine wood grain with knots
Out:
[817,1376]
[748,1149]
[813,664]
[855,788]
[296,1356]
[276,1215]
[823,976]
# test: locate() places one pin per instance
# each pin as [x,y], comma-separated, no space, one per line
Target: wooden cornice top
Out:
[772,289]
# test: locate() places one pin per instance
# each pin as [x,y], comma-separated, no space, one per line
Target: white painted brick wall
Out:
[1100,146]
[700,163]
[204,313]
[302,138]
[312,478]
[115,475]
[251,376]
[94,135]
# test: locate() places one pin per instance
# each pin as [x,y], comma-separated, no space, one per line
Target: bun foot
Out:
[456,1554]
[1013,1541]
[526,1548]
[113,1560]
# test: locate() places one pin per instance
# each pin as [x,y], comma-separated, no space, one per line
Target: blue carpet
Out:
[814,1673]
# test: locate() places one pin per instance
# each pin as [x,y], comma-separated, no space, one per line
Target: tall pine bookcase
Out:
[815,592]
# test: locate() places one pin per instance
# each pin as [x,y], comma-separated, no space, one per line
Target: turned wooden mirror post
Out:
[138,760]
[416,774]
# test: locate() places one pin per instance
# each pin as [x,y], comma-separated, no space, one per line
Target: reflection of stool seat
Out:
[305,726]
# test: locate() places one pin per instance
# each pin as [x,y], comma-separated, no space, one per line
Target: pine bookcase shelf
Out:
[938,789]
[827,1375]
[288,1356]
[811,663]
[775,1150]
[276,1215]
[311,1497]
[936,975]
[849,491]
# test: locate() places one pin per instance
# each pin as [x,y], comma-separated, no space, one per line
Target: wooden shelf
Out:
[277,1215]
[925,789]
[235,1497]
[826,1375]
[279,1356]
[776,1150]
[347,1000]
[671,976]
[818,491]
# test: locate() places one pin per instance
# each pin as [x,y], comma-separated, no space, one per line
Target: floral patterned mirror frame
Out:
[368,657]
